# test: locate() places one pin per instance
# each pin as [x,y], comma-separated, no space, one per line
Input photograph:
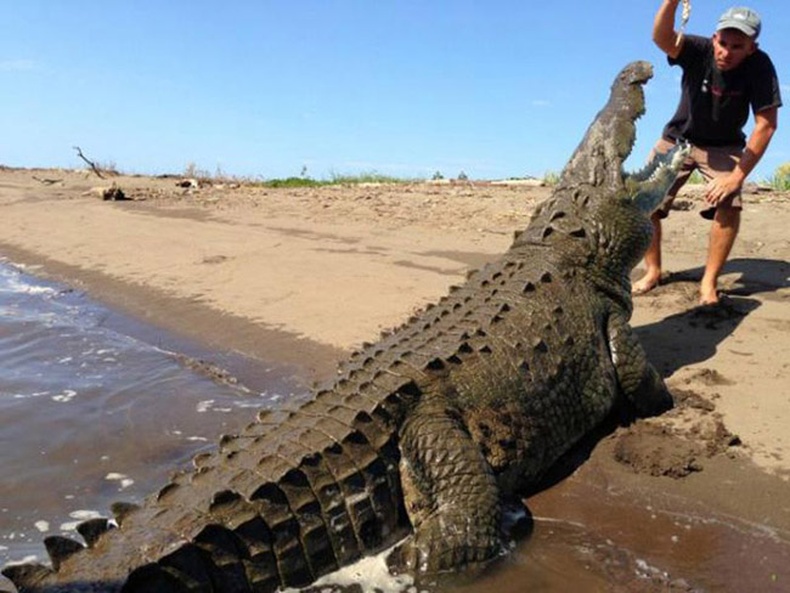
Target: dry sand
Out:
[301,276]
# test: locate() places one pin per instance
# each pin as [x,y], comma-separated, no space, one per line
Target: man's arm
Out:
[765,124]
[664,35]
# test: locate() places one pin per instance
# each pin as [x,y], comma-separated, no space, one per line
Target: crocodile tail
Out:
[322,512]
[294,496]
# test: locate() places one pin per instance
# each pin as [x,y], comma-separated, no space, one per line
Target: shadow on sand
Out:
[692,336]
[757,276]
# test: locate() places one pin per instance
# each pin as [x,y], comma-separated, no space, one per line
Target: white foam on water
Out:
[204,406]
[647,571]
[79,516]
[85,515]
[65,397]
[123,480]
[15,285]
[30,395]
[370,573]
[256,404]
[42,526]
[26,560]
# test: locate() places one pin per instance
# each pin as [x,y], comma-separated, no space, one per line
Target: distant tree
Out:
[437,176]
[462,176]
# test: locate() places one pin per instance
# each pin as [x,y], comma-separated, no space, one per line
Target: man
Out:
[723,78]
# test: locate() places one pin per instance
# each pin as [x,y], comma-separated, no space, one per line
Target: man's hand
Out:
[765,124]
[721,187]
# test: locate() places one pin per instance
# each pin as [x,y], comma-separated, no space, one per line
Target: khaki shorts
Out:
[712,162]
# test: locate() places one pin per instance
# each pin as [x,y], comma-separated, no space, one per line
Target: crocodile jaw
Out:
[648,188]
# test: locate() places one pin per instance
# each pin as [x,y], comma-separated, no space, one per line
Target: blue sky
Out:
[398,87]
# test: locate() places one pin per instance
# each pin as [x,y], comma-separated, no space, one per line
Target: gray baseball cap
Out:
[744,19]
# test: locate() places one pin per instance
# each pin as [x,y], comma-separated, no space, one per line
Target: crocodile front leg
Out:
[450,493]
[639,380]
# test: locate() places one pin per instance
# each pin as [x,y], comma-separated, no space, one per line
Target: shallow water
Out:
[91,415]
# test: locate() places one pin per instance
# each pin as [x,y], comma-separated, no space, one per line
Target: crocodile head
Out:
[598,215]
[598,160]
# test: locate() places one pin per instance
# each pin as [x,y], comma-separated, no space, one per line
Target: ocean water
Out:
[90,415]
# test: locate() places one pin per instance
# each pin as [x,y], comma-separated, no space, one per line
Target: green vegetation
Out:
[780,180]
[335,179]
[303,180]
[551,178]
[290,182]
[370,177]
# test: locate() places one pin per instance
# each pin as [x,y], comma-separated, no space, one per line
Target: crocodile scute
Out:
[426,432]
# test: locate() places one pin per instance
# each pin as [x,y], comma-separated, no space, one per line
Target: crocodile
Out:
[423,436]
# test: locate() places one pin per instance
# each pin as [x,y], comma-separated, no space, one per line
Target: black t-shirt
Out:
[714,105]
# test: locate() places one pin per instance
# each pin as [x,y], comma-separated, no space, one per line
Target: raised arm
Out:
[664,35]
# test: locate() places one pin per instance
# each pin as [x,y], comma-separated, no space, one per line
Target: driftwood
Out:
[46,181]
[90,163]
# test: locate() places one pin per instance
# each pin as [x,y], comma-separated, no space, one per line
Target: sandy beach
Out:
[299,277]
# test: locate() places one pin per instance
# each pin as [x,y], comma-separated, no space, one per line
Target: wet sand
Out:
[299,277]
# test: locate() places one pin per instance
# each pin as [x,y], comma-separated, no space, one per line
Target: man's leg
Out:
[652,261]
[726,219]
[723,232]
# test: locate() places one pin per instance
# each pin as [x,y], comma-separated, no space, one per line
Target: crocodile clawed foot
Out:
[425,557]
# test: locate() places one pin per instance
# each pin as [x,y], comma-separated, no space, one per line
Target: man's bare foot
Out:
[646,283]
[708,296]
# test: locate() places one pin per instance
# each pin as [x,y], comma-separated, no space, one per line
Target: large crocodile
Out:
[425,432]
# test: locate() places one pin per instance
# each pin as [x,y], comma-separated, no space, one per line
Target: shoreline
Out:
[187,326]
